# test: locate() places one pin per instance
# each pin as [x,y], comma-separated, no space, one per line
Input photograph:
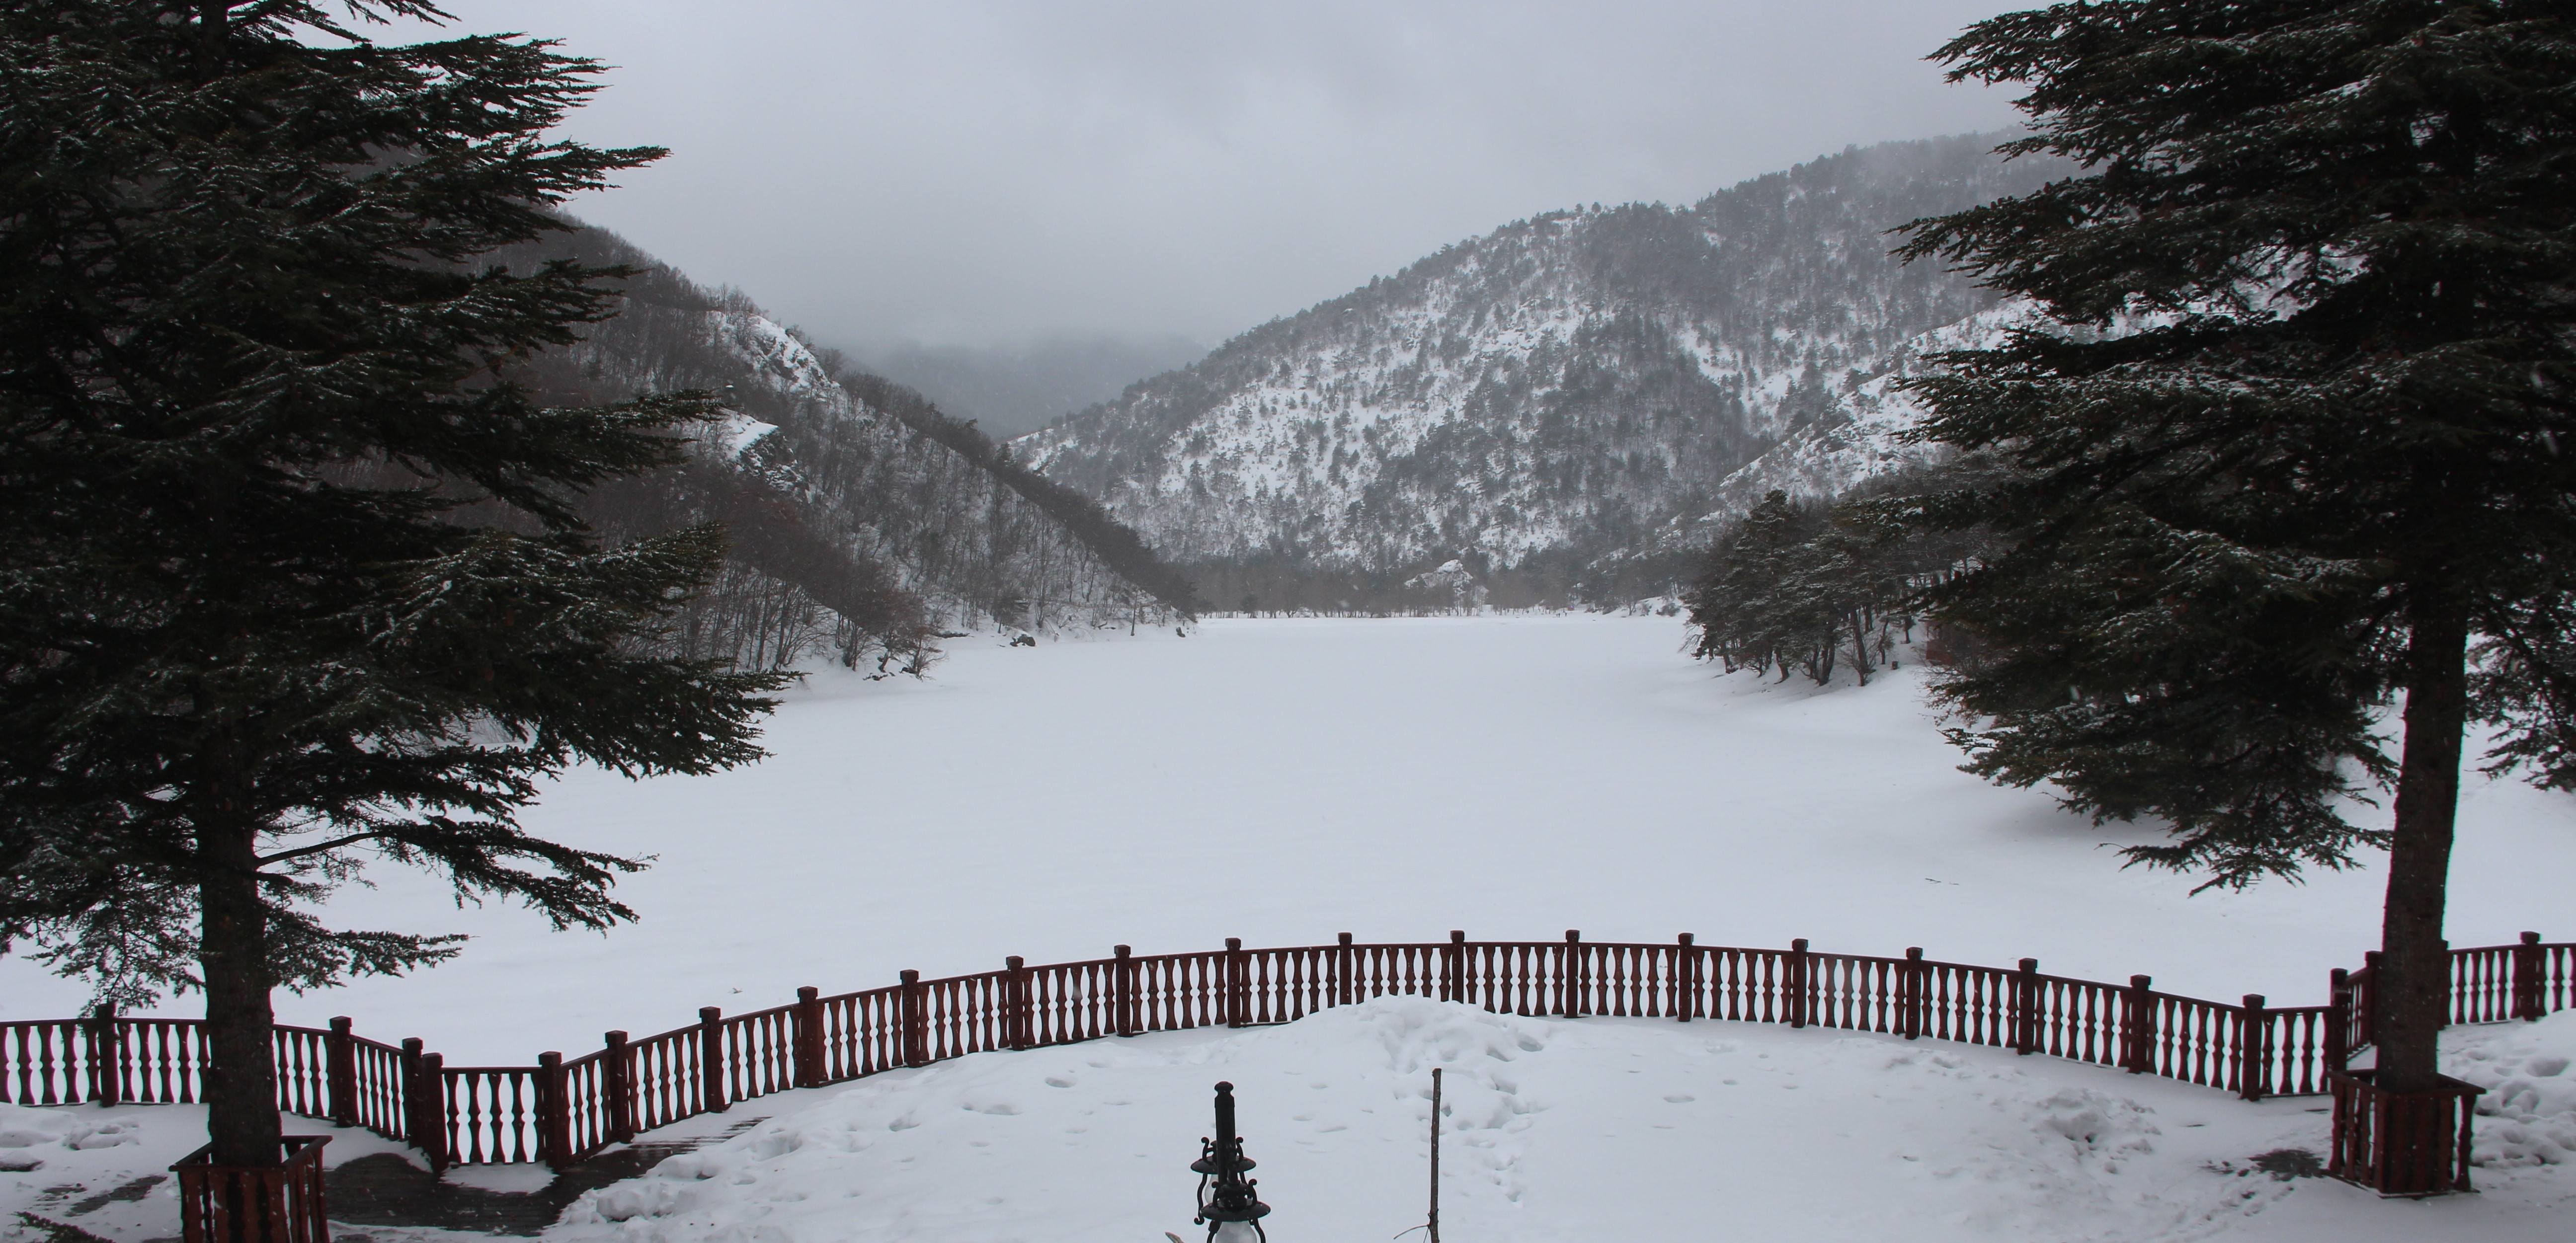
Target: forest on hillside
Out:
[864,522]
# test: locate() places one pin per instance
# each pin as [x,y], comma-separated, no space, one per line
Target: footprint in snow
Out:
[1680,1098]
[1059,1081]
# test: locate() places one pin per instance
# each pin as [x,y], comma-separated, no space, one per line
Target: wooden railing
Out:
[268,1204]
[2402,1143]
[563,1111]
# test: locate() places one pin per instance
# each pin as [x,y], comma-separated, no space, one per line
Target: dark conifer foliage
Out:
[291,574]
[1786,588]
[2302,433]
[1806,587]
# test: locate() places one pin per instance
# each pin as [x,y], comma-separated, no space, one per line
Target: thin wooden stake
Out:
[1434,1223]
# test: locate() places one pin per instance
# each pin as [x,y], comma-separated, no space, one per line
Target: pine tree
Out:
[2300,430]
[1791,584]
[1757,607]
[290,576]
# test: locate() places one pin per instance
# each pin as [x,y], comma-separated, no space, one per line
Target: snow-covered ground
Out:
[1591,1129]
[1556,1130]
[1285,780]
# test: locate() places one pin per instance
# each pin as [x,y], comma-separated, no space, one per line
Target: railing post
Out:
[102,1042]
[1122,992]
[2138,1026]
[711,1060]
[433,1142]
[2450,982]
[1453,977]
[2461,1156]
[1570,989]
[617,1089]
[408,1108]
[1342,970]
[2254,1050]
[554,1111]
[2338,1042]
[342,1055]
[1796,984]
[2349,1127]
[2025,1008]
[1015,1004]
[2365,1004]
[1910,990]
[2530,1003]
[807,1049]
[916,1023]
[1238,985]
[1685,978]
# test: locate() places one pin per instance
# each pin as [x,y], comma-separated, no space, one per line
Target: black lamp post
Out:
[1224,1193]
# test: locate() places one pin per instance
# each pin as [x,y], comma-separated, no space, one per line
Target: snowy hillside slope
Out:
[836,502]
[1556,390]
[1858,436]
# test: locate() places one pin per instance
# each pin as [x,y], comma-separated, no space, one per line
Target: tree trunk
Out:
[241,1082]
[2413,979]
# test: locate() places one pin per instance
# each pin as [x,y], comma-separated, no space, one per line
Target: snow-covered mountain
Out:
[1857,435]
[1552,398]
[862,518]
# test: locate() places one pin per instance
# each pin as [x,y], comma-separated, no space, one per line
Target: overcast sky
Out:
[969,173]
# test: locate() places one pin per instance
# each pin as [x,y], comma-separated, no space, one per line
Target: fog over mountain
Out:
[1012,389]
[1045,197]
[987,171]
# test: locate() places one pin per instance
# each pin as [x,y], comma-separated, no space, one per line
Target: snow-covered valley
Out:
[1515,776]
[1284,780]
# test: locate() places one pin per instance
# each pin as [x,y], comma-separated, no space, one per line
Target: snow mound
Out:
[2528,1115]
[1549,1129]
[25,1127]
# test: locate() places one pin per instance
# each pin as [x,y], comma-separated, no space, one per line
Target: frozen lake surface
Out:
[1285,780]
